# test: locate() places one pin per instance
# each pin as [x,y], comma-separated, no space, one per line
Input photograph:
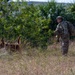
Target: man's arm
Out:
[57,33]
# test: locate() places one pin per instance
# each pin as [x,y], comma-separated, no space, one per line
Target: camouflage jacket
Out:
[62,29]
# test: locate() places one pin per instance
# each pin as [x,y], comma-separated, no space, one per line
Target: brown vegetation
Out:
[36,62]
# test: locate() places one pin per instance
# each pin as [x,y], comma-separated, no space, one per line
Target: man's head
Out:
[59,19]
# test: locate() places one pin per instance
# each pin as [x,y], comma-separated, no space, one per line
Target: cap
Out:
[59,17]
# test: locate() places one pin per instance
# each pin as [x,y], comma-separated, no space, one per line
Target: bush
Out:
[34,23]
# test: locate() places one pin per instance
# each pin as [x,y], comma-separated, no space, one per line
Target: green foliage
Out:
[25,21]
[34,23]
[72,13]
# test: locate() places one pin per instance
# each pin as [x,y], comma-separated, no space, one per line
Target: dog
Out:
[13,46]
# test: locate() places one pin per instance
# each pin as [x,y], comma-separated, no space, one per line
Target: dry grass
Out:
[37,62]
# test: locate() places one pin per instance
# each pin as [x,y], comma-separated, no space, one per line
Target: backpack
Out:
[71,28]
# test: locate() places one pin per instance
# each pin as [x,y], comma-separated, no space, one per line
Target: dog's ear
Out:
[19,40]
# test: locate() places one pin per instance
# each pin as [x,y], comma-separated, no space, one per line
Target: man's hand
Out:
[57,37]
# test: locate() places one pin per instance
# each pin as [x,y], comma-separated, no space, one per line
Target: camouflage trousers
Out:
[65,44]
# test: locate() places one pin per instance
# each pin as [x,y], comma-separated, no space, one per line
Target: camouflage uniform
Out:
[62,31]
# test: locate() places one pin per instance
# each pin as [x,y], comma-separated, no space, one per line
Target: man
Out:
[63,31]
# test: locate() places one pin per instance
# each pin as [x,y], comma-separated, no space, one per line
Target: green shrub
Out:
[34,23]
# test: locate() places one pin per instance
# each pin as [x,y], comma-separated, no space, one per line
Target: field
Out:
[37,62]
[35,24]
